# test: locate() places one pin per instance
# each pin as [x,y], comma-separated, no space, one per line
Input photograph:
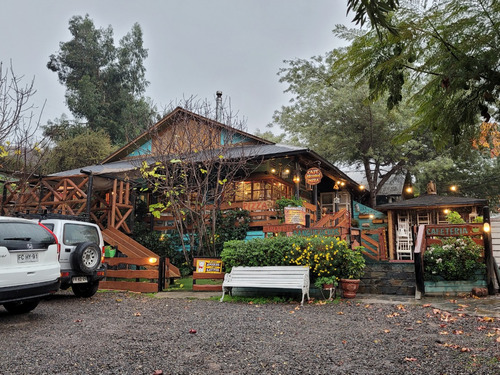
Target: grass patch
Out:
[274,299]
[186,284]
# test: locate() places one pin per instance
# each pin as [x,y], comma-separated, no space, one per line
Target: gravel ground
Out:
[125,333]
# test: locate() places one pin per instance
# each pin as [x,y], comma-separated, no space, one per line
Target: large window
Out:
[261,189]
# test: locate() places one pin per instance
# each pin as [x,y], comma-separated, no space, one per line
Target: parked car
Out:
[29,264]
[82,253]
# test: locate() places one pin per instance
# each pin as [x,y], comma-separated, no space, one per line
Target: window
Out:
[328,201]
[75,234]
[259,190]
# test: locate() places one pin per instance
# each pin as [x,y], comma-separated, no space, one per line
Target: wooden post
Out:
[113,204]
[89,194]
[488,254]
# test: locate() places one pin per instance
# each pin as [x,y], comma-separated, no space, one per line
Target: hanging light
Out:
[296,179]
[486,227]
[454,188]
[361,187]
[409,189]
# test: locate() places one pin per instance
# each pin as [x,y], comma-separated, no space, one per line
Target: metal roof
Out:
[432,200]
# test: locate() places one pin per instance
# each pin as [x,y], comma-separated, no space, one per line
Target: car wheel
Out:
[85,290]
[21,307]
[86,257]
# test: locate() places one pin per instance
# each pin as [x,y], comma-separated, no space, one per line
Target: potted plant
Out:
[351,268]
[325,282]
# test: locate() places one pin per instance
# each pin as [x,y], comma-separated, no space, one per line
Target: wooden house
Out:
[106,194]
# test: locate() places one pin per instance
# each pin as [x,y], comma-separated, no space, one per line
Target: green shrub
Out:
[457,258]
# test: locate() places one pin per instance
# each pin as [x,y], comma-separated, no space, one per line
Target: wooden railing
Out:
[261,213]
[146,275]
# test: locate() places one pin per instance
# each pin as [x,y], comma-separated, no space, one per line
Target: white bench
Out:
[275,277]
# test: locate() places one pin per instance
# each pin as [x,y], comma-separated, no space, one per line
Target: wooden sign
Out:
[326,232]
[313,176]
[295,215]
[280,228]
[258,205]
[208,265]
[453,230]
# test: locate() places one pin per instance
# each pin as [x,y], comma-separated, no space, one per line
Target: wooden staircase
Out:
[139,262]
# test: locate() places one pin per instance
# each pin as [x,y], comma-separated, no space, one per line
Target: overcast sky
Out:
[196,47]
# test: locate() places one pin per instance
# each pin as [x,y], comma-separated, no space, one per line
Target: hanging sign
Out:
[313,176]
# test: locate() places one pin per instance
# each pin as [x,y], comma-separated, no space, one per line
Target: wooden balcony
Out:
[261,213]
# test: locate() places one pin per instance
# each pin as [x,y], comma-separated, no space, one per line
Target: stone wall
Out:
[388,278]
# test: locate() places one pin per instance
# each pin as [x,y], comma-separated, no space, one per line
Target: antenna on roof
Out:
[218,106]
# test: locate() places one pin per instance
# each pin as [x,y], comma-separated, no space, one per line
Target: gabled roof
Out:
[432,201]
[264,151]
[163,123]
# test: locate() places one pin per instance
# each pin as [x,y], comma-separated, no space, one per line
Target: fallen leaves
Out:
[410,359]
[392,315]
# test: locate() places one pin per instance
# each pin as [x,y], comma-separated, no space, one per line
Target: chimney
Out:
[218,106]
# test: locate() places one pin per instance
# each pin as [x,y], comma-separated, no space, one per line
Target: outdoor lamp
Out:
[453,188]
[361,187]
[296,179]
[486,227]
[409,190]
[153,260]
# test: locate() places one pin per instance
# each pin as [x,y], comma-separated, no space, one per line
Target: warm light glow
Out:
[342,183]
[409,190]
[153,260]
[372,216]
[453,188]
[273,170]
[486,227]
[446,211]
[361,187]
[296,179]
[287,171]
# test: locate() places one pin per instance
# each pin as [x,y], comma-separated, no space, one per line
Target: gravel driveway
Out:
[125,333]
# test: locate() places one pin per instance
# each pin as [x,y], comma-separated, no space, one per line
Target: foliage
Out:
[453,217]
[320,281]
[155,241]
[444,59]
[256,252]
[281,203]
[457,258]
[377,11]
[488,139]
[104,84]
[325,256]
[229,225]
[88,148]
[329,114]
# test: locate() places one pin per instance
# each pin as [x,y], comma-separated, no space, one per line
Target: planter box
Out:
[440,288]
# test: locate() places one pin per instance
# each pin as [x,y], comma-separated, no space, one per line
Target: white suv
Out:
[82,253]
[29,266]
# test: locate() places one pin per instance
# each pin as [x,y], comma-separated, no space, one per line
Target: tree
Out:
[192,178]
[104,84]
[333,117]
[20,152]
[449,52]
[376,11]
[87,148]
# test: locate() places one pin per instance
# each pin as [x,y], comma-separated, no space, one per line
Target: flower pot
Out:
[327,286]
[109,253]
[349,287]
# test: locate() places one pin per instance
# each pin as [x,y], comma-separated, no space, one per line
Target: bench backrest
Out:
[270,274]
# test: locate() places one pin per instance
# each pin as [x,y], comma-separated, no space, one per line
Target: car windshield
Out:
[18,235]
[78,233]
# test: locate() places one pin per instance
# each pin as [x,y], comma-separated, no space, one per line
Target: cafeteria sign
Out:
[313,176]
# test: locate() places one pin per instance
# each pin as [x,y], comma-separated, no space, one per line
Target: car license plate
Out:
[27,257]
[79,280]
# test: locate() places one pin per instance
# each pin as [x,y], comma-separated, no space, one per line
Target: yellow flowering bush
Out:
[323,255]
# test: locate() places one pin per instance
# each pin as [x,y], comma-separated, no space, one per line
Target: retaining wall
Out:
[388,278]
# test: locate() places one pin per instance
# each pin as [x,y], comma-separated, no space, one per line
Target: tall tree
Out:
[450,52]
[105,84]
[332,116]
